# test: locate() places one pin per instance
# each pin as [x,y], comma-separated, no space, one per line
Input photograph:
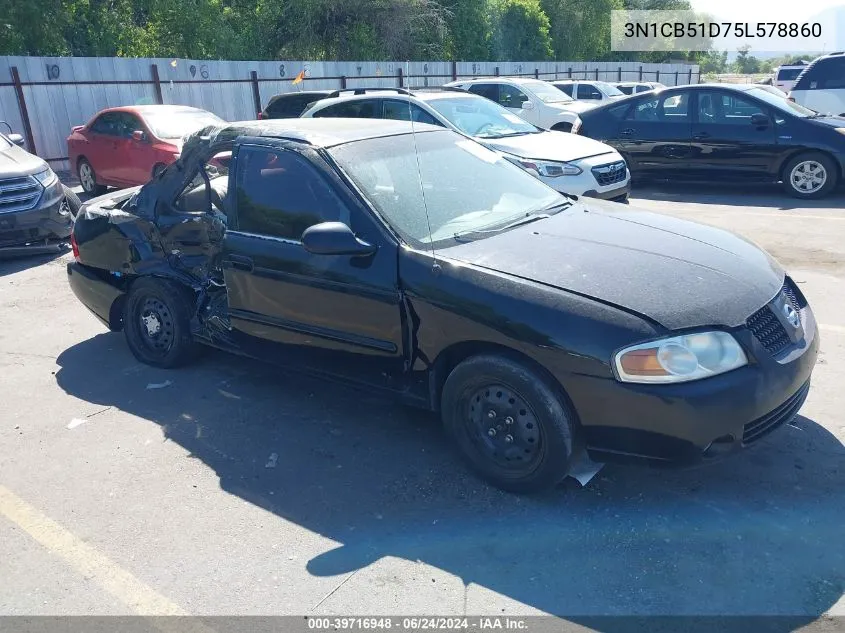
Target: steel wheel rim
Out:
[156,326]
[504,429]
[86,176]
[808,176]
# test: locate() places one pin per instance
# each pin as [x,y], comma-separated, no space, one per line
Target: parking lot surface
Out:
[230,488]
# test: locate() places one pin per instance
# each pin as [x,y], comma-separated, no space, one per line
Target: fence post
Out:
[690,76]
[343,82]
[400,78]
[454,70]
[256,94]
[27,128]
[641,73]
[569,72]
[597,74]
[156,83]
[676,77]
[657,78]
[619,74]
[536,73]
[496,72]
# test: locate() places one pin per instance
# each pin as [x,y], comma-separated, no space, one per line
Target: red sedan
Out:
[123,147]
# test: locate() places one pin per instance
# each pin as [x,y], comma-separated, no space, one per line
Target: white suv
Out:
[594,92]
[536,101]
[821,86]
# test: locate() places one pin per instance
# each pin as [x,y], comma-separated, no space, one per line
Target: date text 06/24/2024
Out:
[418,623]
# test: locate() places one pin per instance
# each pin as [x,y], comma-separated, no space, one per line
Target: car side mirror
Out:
[139,136]
[759,120]
[17,139]
[334,238]
[527,105]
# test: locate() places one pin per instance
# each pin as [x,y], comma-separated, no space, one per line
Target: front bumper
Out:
[686,423]
[620,194]
[47,222]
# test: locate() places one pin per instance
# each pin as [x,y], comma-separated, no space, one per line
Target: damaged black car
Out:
[412,260]
[36,209]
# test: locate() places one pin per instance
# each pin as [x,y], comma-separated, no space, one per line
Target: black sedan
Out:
[427,266]
[719,133]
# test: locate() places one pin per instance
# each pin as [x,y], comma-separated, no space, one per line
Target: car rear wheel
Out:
[509,423]
[563,127]
[810,175]
[88,178]
[156,323]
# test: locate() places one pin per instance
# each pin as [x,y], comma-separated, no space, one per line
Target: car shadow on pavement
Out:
[10,265]
[732,194]
[758,534]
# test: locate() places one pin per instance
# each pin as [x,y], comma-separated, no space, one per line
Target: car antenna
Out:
[435,266]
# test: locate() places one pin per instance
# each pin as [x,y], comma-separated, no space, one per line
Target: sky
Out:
[830,13]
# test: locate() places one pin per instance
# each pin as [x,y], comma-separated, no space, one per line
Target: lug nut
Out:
[509,420]
[491,432]
[509,438]
[491,414]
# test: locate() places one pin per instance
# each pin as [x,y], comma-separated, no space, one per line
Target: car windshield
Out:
[467,187]
[546,92]
[608,89]
[178,123]
[781,103]
[481,117]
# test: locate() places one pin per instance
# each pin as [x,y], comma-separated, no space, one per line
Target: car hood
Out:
[559,146]
[572,106]
[18,162]
[677,273]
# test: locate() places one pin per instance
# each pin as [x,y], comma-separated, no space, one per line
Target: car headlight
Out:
[547,168]
[47,177]
[680,358]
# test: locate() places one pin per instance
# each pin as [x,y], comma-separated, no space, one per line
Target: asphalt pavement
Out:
[229,487]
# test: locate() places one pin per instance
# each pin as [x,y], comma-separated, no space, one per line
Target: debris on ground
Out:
[76,422]
[272,460]
[159,385]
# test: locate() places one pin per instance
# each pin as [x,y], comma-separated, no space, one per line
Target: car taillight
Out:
[74,246]
[260,115]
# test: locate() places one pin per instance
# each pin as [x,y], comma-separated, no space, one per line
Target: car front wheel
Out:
[810,175]
[156,323]
[509,423]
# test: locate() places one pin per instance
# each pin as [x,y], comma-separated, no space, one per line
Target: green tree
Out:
[714,62]
[580,30]
[468,24]
[520,31]
[744,63]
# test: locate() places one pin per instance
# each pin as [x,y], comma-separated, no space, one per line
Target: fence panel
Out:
[61,92]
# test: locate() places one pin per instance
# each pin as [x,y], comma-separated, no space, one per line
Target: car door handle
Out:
[700,136]
[239,262]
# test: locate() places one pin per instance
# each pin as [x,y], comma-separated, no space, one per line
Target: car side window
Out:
[588,91]
[567,88]
[828,74]
[667,108]
[287,106]
[280,194]
[360,109]
[489,91]
[725,108]
[400,111]
[106,124]
[511,96]
[128,124]
[196,195]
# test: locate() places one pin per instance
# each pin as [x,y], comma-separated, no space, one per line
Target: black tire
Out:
[516,403]
[72,201]
[563,127]
[792,178]
[168,306]
[89,184]
[157,169]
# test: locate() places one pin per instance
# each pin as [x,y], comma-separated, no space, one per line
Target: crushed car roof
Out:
[322,132]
